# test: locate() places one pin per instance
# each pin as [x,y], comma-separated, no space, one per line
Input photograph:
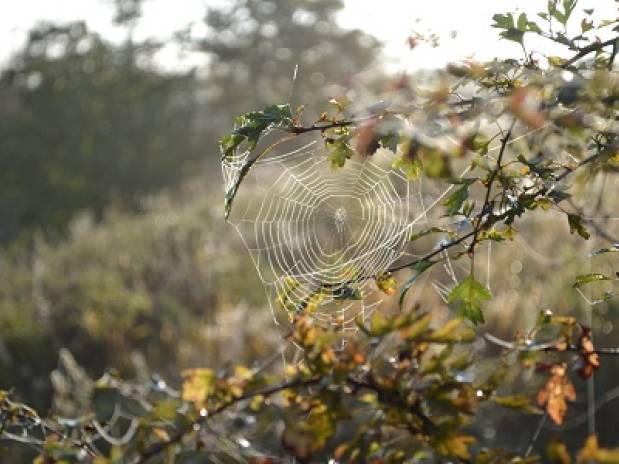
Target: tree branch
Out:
[594,47]
[157,448]
[546,346]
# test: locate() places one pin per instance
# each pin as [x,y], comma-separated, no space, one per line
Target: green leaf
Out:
[568,8]
[410,166]
[559,17]
[492,234]
[512,31]
[347,292]
[417,328]
[533,27]
[340,152]
[585,26]
[588,278]
[470,294]
[455,201]
[247,130]
[576,225]
[522,22]
[503,21]
[249,127]
[379,324]
[454,446]
[454,331]
[229,144]
[390,141]
[386,283]
[514,35]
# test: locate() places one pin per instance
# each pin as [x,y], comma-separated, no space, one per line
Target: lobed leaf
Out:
[470,294]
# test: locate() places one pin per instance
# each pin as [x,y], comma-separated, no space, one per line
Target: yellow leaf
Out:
[456,446]
[161,434]
[417,328]
[386,283]
[199,384]
[557,452]
[592,453]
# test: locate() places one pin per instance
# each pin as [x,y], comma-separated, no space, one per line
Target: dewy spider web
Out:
[314,233]
[317,235]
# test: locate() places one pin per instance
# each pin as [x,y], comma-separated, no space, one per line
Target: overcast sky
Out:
[389,20]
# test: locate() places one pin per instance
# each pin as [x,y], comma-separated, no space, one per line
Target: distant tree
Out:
[83,122]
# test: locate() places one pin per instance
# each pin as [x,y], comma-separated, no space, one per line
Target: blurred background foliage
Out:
[111,211]
[86,122]
[110,198]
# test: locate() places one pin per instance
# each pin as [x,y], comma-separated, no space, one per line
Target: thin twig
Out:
[546,346]
[297,130]
[486,204]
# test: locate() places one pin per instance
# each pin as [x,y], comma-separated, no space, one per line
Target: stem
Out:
[297,130]
[547,346]
[486,205]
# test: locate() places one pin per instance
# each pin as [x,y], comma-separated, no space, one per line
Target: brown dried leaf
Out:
[555,394]
[367,141]
[588,355]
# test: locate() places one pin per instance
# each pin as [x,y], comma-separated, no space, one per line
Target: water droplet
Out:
[567,76]
[243,442]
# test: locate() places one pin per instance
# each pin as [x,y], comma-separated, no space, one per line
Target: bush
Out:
[166,283]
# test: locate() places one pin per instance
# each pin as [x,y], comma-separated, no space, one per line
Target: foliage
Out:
[404,387]
[528,136]
[161,283]
[85,123]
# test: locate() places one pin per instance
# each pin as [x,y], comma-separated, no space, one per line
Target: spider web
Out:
[316,234]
